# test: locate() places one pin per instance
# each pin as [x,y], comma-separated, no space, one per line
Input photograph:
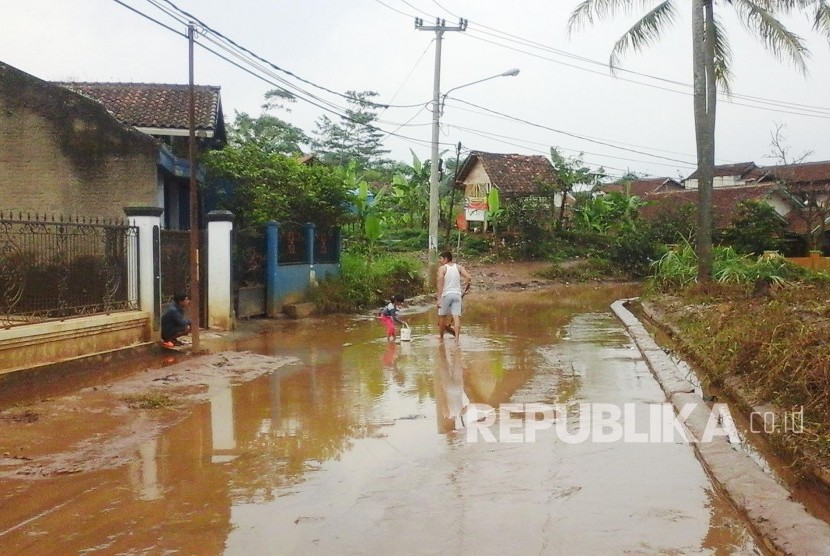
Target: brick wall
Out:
[61,153]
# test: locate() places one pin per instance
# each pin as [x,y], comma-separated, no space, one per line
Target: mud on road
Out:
[100,427]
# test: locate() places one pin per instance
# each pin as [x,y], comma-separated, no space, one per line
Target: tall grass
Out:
[677,269]
[368,281]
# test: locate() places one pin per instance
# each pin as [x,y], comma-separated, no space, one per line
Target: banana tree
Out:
[494,210]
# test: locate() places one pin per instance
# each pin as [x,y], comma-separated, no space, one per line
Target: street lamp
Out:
[437,107]
[509,73]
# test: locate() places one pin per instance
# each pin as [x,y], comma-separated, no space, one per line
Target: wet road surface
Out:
[364,446]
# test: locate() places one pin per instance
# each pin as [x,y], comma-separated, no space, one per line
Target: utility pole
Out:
[194,204]
[440,27]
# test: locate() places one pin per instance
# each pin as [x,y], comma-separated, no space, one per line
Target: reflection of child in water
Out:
[389,316]
[389,357]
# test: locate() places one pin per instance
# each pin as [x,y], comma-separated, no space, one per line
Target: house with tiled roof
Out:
[725,201]
[62,153]
[803,178]
[162,111]
[728,175]
[809,182]
[513,175]
[643,186]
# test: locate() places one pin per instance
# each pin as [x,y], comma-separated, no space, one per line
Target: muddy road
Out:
[331,440]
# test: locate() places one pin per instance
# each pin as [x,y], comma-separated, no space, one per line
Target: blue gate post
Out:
[338,244]
[272,255]
[309,241]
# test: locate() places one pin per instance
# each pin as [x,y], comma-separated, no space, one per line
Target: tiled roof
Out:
[155,105]
[640,187]
[738,169]
[512,174]
[724,201]
[803,173]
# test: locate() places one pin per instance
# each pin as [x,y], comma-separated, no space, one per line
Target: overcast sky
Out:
[564,95]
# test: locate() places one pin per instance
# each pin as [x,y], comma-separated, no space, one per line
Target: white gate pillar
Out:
[220,295]
[147,220]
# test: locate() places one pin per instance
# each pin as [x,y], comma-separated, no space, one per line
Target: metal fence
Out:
[174,255]
[293,245]
[60,268]
[249,252]
[327,245]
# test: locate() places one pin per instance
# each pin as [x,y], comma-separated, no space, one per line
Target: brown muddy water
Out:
[364,447]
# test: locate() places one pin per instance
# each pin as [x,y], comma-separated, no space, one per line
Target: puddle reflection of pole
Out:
[144,472]
[223,434]
[450,398]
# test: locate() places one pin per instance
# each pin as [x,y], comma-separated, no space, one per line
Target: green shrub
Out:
[634,250]
[365,282]
[475,244]
[756,227]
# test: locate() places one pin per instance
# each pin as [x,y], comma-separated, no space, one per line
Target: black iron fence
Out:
[174,261]
[249,263]
[327,245]
[59,268]
[293,244]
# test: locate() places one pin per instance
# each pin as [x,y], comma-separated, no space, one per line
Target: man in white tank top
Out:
[450,292]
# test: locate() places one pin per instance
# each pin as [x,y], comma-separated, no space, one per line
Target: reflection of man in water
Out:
[450,398]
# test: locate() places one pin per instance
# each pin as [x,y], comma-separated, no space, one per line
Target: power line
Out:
[271,64]
[574,135]
[509,118]
[816,112]
[566,149]
[156,21]
[324,108]
[771,105]
[247,60]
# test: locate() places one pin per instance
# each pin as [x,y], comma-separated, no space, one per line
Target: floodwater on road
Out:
[364,446]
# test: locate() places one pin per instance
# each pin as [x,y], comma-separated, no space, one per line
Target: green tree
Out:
[271,133]
[755,228]
[570,172]
[355,137]
[710,68]
[272,186]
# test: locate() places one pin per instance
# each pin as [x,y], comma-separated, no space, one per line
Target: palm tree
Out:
[711,61]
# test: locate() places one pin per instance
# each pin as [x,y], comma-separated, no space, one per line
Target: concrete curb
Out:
[783,525]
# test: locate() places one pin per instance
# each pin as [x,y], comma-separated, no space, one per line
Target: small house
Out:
[513,175]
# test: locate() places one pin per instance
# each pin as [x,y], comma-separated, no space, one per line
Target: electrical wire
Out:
[271,64]
[812,113]
[772,105]
[506,118]
[559,147]
[150,18]
[574,135]
[274,81]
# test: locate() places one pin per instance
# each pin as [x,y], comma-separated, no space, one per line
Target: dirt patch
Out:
[514,276]
[101,426]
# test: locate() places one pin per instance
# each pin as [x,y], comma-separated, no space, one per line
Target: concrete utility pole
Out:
[439,28]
